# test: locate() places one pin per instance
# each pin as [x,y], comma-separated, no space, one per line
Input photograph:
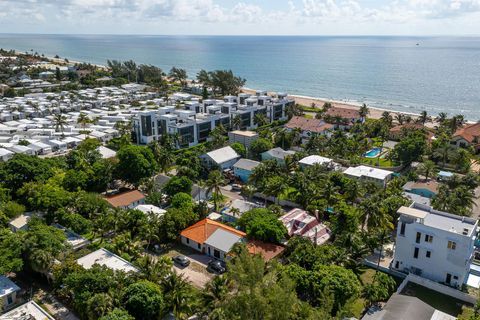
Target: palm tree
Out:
[60,121]
[153,268]
[249,190]
[215,293]
[445,151]
[83,120]
[400,117]
[441,118]
[214,182]
[178,294]
[364,111]
[274,187]
[40,260]
[387,118]
[260,119]
[427,169]
[456,122]
[236,122]
[423,118]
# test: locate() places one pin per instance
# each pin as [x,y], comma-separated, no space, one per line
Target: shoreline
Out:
[374,112]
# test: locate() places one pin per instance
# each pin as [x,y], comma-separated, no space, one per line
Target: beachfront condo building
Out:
[435,245]
[192,121]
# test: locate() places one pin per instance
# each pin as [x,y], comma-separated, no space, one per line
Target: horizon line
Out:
[242,35]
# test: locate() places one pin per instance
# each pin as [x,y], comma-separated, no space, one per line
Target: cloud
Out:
[293,12]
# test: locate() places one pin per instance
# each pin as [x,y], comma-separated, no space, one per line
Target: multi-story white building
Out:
[193,121]
[435,245]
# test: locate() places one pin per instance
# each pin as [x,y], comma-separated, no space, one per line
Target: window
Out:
[452,245]
[428,254]
[396,265]
[9,299]
[419,236]
[188,241]
[199,246]
[415,253]
[455,278]
[402,229]
[428,238]
[465,232]
[216,253]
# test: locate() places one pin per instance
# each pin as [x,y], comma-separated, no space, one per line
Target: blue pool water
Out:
[373,153]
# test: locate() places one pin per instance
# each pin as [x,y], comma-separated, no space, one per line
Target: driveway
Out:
[196,273]
[476,207]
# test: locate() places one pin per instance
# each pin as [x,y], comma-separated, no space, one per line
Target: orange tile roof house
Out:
[212,238]
[309,126]
[467,136]
[126,200]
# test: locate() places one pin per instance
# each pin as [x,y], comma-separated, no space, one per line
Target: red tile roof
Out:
[203,229]
[307,124]
[346,113]
[124,199]
[267,250]
[469,132]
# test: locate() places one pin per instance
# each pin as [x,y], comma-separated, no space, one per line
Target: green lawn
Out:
[381,161]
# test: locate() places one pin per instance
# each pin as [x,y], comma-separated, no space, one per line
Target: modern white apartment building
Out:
[435,245]
[193,121]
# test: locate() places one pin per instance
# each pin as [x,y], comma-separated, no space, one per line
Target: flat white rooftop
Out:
[368,172]
[311,160]
[440,220]
[106,258]
[27,311]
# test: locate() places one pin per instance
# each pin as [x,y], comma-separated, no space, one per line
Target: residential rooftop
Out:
[7,286]
[440,220]
[27,311]
[106,258]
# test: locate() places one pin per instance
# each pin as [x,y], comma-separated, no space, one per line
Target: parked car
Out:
[181,261]
[216,266]
[236,187]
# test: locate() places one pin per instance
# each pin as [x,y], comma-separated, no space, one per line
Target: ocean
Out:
[409,74]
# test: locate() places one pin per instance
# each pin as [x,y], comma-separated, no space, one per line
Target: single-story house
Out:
[444,175]
[126,200]
[106,258]
[211,238]
[299,223]
[148,208]
[467,136]
[8,293]
[425,189]
[418,199]
[30,310]
[378,176]
[314,159]
[223,158]
[243,168]
[277,154]
[237,209]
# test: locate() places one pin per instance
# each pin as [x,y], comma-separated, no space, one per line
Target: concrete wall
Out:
[190,243]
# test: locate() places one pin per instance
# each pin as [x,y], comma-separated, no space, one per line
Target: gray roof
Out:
[246,164]
[222,155]
[223,240]
[279,153]
[400,307]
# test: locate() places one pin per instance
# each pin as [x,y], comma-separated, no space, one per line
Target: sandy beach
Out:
[375,113]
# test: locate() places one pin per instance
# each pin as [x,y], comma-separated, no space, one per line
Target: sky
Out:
[246,17]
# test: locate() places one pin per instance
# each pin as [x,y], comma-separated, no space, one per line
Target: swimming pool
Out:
[375,152]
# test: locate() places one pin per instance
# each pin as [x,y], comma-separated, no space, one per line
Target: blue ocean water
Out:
[410,74]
